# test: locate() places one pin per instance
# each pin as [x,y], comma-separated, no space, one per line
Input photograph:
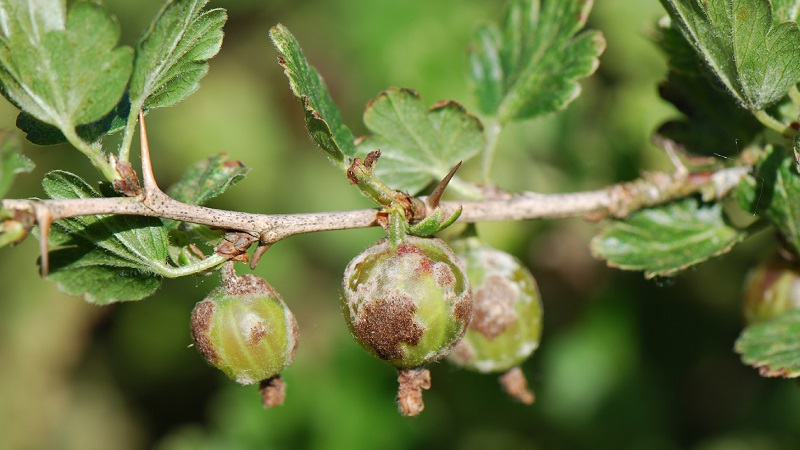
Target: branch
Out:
[616,201]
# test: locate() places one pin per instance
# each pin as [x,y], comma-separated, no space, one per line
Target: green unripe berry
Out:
[245,329]
[771,288]
[408,304]
[507,311]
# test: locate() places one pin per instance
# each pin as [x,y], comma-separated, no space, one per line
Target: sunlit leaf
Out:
[418,145]
[757,60]
[665,240]
[106,258]
[323,119]
[62,72]
[172,55]
[531,66]
[773,347]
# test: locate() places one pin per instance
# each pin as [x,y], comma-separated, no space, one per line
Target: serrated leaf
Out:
[207,179]
[773,347]
[62,72]
[172,55]
[94,248]
[665,240]
[12,162]
[772,192]
[41,133]
[531,66]
[323,119]
[418,145]
[757,60]
[714,124]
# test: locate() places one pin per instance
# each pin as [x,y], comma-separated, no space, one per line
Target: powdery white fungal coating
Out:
[507,312]
[245,329]
[407,304]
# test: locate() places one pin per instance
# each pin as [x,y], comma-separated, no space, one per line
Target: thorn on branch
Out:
[150,185]
[433,199]
[44,219]
[259,252]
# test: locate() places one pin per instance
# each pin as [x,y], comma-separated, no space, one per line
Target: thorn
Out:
[258,253]
[436,195]
[44,220]
[150,185]
[669,147]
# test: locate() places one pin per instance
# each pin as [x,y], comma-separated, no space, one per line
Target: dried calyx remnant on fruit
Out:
[506,316]
[246,330]
[408,303]
[771,288]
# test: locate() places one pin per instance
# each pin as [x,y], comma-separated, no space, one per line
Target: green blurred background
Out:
[624,363]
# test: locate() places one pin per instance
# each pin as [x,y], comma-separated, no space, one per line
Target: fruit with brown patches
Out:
[771,288]
[507,312]
[245,329]
[409,303]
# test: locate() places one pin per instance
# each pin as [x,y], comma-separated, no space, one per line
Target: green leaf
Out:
[773,347]
[662,241]
[12,162]
[172,55]
[323,119]
[531,66]
[755,59]
[41,133]
[207,179]
[773,193]
[714,124]
[64,73]
[418,145]
[107,258]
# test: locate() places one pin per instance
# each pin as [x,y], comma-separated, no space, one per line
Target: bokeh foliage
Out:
[624,364]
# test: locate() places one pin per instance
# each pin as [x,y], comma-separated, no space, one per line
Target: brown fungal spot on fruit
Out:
[407,249]
[443,274]
[255,333]
[493,310]
[384,323]
[463,310]
[248,285]
[201,330]
[464,351]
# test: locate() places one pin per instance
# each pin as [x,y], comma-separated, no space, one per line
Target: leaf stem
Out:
[124,152]
[773,123]
[92,151]
[794,95]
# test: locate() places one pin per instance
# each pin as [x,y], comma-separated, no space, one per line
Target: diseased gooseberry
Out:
[771,288]
[506,316]
[246,330]
[407,304]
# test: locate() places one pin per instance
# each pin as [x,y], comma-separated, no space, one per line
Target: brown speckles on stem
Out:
[516,386]
[493,311]
[385,323]
[201,329]
[273,391]
[409,392]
